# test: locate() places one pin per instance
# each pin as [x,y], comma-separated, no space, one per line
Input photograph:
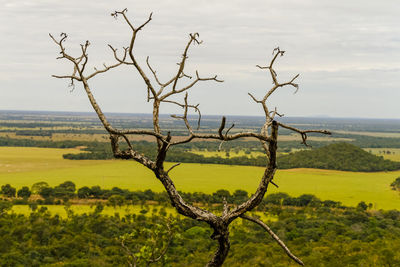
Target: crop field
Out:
[26,166]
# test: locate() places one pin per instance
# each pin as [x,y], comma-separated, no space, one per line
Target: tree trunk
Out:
[222,235]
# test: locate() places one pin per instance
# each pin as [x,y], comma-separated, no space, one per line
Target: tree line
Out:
[116,196]
[339,156]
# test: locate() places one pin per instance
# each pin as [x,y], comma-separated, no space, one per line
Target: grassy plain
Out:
[26,166]
[387,153]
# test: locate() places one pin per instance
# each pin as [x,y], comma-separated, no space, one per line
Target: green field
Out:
[26,166]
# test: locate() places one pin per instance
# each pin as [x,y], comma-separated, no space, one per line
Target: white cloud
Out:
[337,46]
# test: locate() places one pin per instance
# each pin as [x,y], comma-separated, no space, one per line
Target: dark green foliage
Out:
[24,192]
[222,195]
[116,200]
[305,200]
[276,198]
[239,196]
[362,206]
[117,196]
[320,236]
[145,244]
[46,192]
[5,141]
[340,156]
[5,206]
[396,184]
[96,191]
[302,201]
[36,187]
[8,191]
[84,192]
[65,190]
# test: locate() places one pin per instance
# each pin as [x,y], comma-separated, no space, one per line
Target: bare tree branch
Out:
[274,236]
[132,43]
[304,133]
[184,117]
[155,75]
[193,39]
[106,68]
[123,59]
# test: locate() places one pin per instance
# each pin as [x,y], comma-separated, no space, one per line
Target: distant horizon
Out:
[193,114]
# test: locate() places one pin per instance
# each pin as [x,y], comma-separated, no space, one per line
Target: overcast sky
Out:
[347,54]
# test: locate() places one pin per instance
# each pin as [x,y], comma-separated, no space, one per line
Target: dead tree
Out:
[160,92]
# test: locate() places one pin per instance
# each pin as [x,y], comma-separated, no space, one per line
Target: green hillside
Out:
[339,156]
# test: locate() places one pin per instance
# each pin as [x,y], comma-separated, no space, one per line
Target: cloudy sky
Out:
[347,54]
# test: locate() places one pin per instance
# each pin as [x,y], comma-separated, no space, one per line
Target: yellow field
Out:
[26,166]
[25,159]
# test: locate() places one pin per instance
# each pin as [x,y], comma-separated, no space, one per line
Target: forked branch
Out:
[270,115]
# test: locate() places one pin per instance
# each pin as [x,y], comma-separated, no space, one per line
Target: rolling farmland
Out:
[26,166]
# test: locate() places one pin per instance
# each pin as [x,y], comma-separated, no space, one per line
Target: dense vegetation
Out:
[396,184]
[320,236]
[117,196]
[340,156]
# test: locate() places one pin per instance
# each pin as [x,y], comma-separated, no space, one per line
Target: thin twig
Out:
[173,166]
